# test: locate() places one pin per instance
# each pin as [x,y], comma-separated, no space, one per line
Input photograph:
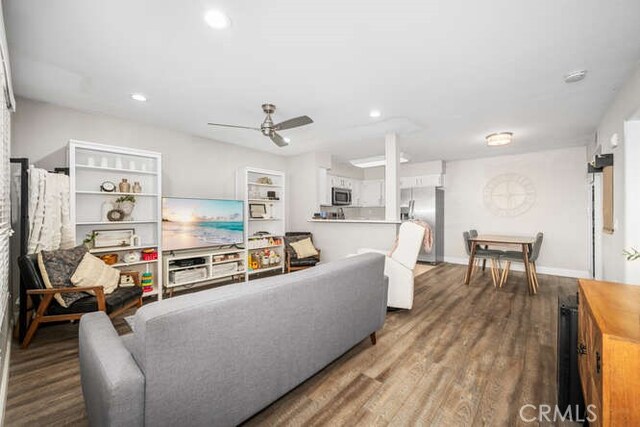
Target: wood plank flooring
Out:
[464,356]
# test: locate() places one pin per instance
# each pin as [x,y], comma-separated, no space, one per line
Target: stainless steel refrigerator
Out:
[426,204]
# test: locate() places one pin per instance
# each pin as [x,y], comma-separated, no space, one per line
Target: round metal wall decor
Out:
[509,195]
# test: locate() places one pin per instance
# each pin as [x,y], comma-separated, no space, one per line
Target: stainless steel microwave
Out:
[340,196]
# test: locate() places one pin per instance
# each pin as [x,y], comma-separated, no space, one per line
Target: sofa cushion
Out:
[304,248]
[57,267]
[92,271]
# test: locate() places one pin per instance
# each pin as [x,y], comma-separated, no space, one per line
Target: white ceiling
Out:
[444,73]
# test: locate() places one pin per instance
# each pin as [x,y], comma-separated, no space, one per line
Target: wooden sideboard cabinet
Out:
[609,351]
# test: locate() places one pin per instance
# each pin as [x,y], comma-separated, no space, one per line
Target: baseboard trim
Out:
[553,271]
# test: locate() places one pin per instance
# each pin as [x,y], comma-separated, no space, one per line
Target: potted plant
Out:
[89,240]
[126,205]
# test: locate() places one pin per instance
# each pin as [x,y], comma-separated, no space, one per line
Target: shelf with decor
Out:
[203,266]
[260,184]
[115,169]
[121,248]
[264,194]
[264,270]
[116,193]
[116,208]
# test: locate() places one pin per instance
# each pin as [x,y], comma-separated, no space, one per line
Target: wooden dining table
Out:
[487,240]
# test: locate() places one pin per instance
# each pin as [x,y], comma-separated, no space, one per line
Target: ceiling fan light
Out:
[499,138]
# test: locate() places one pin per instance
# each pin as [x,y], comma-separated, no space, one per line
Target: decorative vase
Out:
[127,208]
[137,188]
[118,163]
[124,186]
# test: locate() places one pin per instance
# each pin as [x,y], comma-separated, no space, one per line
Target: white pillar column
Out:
[391,175]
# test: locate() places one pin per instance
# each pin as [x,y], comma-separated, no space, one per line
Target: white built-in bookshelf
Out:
[253,185]
[90,167]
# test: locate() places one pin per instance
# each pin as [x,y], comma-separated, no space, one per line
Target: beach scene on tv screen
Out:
[196,223]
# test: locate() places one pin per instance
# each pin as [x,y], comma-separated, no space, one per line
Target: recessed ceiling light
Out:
[375,161]
[499,138]
[138,97]
[287,139]
[216,19]
[576,76]
[374,113]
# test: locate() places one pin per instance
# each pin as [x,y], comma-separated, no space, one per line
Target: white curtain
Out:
[49,216]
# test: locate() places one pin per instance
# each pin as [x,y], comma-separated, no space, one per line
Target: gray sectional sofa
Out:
[219,356]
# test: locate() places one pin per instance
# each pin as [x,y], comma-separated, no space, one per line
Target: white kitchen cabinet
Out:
[372,193]
[341,182]
[432,180]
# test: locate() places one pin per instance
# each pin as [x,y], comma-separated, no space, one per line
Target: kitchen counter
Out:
[356,221]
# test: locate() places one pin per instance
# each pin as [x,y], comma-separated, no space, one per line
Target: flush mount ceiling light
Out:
[375,161]
[375,114]
[217,20]
[138,97]
[287,139]
[499,138]
[575,76]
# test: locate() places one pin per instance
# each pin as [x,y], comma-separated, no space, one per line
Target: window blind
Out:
[5,233]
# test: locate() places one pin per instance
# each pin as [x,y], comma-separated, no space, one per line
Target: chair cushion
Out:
[92,271]
[304,248]
[114,301]
[57,267]
[489,253]
[513,255]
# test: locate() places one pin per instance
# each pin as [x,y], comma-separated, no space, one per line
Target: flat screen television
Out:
[199,223]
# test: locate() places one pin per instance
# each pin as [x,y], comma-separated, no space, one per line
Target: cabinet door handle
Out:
[582,349]
[598,362]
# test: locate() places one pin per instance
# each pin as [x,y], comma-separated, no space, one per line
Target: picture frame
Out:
[113,238]
[257,210]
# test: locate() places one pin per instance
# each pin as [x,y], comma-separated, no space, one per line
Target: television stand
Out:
[199,267]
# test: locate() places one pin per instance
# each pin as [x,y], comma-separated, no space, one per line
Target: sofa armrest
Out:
[375,251]
[112,383]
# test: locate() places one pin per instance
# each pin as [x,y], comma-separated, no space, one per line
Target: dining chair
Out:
[516,256]
[483,254]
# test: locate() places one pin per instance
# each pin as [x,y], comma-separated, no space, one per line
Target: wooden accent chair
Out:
[49,310]
[292,262]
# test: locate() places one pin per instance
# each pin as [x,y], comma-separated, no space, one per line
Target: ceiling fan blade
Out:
[293,123]
[233,126]
[278,140]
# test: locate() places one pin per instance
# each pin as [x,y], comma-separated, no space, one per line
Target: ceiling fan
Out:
[271,130]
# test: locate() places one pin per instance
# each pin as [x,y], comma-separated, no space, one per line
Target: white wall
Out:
[559,211]
[632,204]
[192,166]
[622,109]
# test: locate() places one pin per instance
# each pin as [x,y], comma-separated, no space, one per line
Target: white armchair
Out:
[400,263]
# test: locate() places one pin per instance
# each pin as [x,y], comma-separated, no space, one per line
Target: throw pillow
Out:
[92,271]
[304,248]
[57,267]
